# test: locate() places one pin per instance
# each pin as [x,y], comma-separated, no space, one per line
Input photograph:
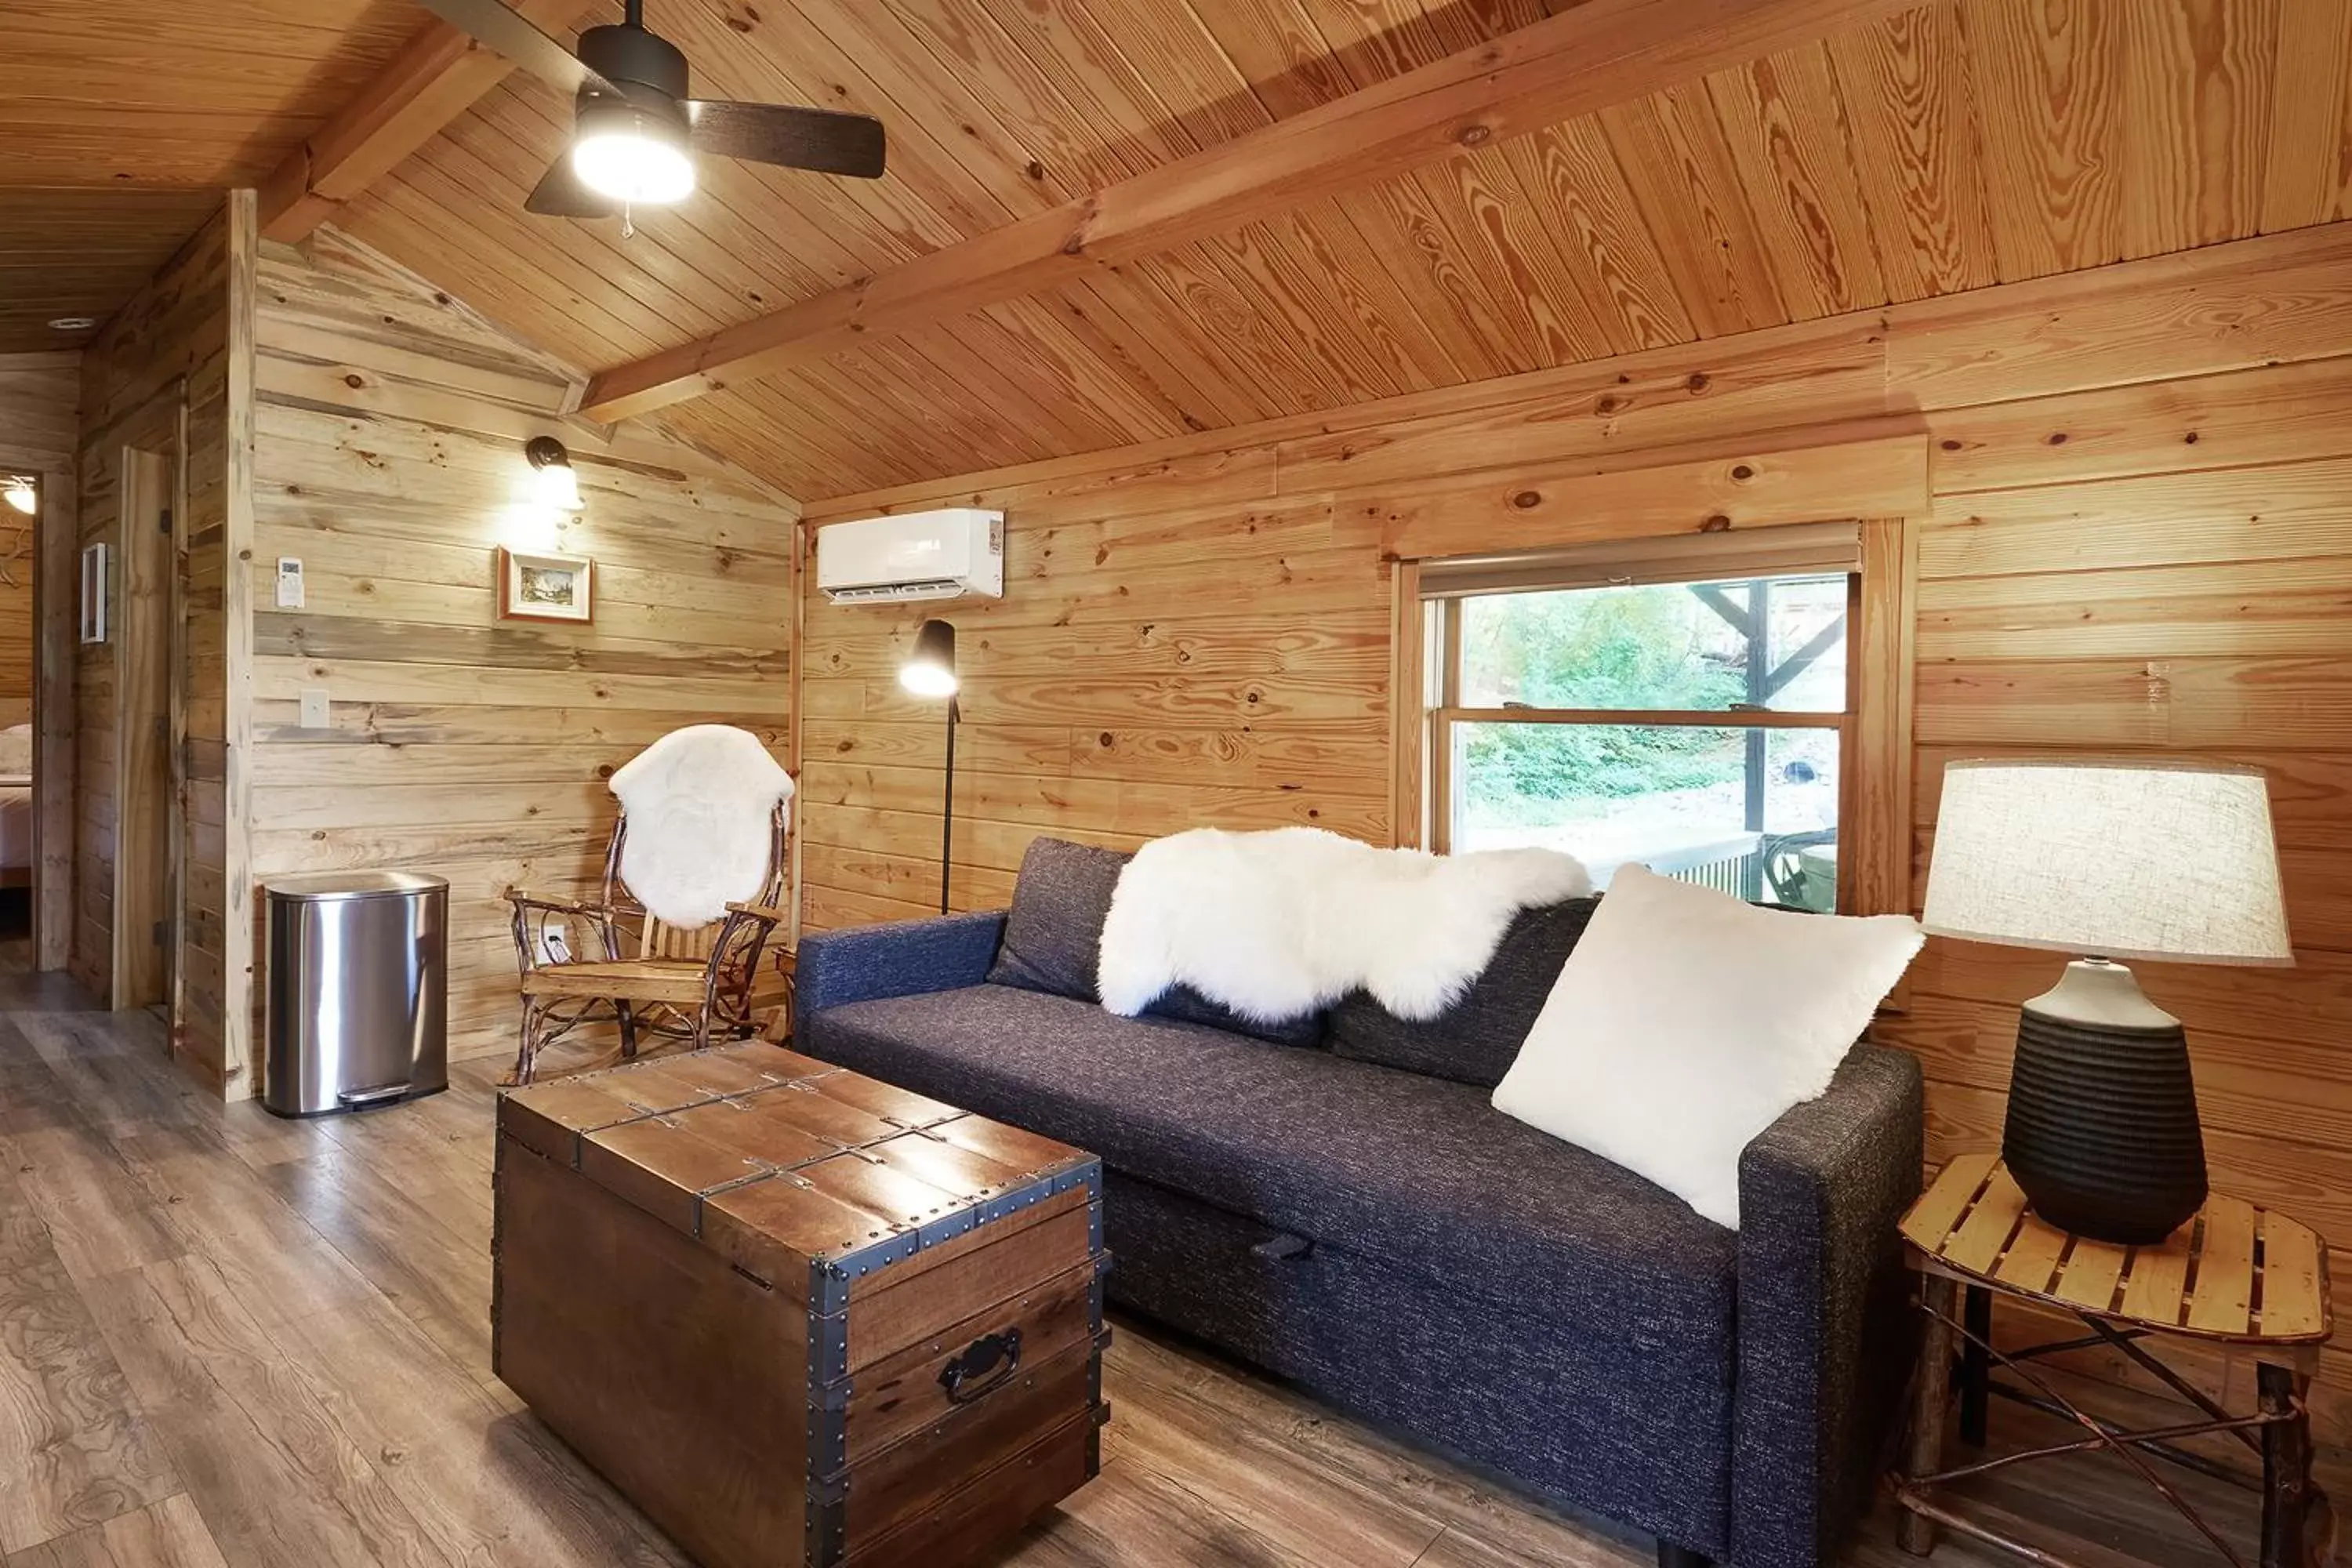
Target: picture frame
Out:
[94,563]
[540,585]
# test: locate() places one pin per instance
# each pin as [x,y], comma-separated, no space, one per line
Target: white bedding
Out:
[16,824]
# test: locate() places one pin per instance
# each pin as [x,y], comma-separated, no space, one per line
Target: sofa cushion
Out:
[1053,936]
[1688,1022]
[1052,941]
[1416,1171]
[1475,1040]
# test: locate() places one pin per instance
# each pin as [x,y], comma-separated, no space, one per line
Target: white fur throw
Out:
[700,802]
[1279,924]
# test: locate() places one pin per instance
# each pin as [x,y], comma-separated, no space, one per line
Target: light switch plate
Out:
[289,582]
[314,708]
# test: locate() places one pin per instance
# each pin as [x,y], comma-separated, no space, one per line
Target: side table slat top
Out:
[2092,1269]
[2159,1279]
[1978,1244]
[2032,1261]
[2294,1279]
[2222,1298]
[2235,1272]
[1941,1206]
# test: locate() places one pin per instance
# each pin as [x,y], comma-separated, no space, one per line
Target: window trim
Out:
[1875,726]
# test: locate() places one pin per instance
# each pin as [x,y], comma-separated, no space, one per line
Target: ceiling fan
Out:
[634,129]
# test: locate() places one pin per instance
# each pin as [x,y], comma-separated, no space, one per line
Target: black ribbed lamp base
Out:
[2103,1135]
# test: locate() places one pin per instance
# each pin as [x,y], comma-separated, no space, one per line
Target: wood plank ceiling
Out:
[122,121]
[1964,143]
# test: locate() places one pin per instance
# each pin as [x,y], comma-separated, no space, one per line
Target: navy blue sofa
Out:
[1389,1241]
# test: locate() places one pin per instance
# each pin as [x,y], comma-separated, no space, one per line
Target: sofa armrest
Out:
[902,958]
[1824,1330]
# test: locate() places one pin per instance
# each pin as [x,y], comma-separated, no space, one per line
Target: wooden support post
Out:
[1976,1365]
[1925,1456]
[2286,1464]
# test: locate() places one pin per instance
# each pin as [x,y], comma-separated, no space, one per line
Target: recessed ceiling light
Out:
[73,323]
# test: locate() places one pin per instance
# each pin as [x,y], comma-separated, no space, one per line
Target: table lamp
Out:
[2107,860]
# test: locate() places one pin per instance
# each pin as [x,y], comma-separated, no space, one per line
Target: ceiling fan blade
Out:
[560,194]
[818,139]
[498,29]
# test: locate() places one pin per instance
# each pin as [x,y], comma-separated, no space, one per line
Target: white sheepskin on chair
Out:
[1279,924]
[700,803]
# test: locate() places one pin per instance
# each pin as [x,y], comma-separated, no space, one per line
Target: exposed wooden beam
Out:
[1601,53]
[438,74]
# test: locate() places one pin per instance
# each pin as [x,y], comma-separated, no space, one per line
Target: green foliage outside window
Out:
[1624,648]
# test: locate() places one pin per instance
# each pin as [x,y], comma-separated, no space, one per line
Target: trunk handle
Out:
[991,1358]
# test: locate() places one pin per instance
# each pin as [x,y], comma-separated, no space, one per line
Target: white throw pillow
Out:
[1686,1021]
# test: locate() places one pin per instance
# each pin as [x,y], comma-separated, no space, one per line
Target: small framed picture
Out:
[93,593]
[541,587]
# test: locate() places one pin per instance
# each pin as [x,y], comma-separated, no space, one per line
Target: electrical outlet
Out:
[554,943]
[289,582]
[314,708]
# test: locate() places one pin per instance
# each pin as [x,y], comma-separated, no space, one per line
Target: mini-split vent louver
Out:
[938,554]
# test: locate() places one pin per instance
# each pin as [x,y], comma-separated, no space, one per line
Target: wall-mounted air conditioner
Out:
[916,555]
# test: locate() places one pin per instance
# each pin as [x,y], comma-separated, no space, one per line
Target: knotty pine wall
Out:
[40,430]
[38,395]
[2140,540]
[389,460]
[167,373]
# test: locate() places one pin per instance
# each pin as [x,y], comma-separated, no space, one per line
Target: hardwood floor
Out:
[227,1339]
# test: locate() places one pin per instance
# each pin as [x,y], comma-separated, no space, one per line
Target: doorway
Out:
[149,669]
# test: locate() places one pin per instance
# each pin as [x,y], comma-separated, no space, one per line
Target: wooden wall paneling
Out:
[2124,527]
[152,500]
[1408,713]
[39,436]
[2162,319]
[223,880]
[1882,470]
[1877,878]
[56,720]
[163,359]
[388,459]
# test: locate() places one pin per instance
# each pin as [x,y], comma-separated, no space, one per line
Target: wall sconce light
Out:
[559,487]
[21,495]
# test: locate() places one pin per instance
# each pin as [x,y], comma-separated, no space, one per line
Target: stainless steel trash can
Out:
[358,991]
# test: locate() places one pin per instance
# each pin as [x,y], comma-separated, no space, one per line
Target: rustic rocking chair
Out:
[688,984]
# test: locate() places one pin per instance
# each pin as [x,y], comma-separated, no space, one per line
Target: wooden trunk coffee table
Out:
[798,1316]
[2245,1281]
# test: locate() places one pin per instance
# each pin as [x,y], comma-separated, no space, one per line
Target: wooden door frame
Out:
[57,553]
[166,413]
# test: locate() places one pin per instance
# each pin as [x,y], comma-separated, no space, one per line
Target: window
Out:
[1648,711]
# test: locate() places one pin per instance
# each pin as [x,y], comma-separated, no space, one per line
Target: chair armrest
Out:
[532,914]
[767,913]
[523,900]
[903,958]
[1825,1332]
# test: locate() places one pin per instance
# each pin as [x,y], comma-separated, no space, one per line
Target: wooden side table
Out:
[2243,1279]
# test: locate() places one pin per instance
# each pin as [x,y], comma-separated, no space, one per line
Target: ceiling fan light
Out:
[632,156]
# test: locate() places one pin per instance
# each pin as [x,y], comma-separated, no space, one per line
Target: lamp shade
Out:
[2118,859]
[930,669]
